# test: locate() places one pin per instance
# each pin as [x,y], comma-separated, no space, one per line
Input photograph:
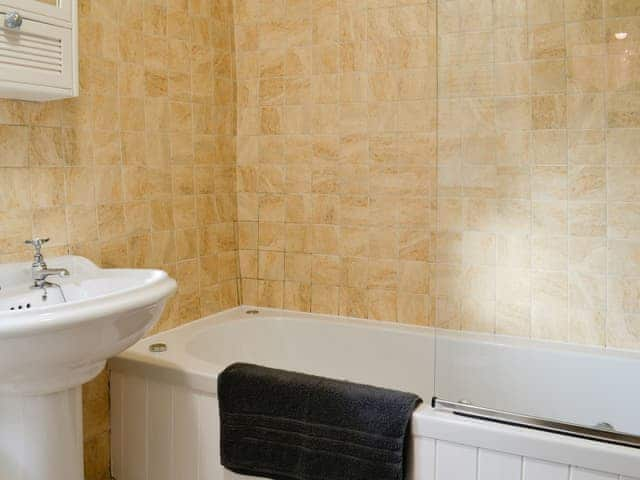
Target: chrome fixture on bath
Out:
[605,426]
[603,431]
[39,270]
[158,348]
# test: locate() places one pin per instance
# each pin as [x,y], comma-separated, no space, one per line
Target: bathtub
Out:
[164,413]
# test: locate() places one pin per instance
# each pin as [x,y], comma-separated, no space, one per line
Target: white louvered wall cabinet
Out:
[38,49]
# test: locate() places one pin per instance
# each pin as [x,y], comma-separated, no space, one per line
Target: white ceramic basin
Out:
[50,345]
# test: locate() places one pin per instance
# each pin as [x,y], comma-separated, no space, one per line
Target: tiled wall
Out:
[139,171]
[337,155]
[539,140]
[519,216]
[519,213]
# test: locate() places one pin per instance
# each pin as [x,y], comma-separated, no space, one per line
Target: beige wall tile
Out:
[14,142]
[623,331]
[623,110]
[585,38]
[621,8]
[588,219]
[582,10]
[621,144]
[549,112]
[587,327]
[297,296]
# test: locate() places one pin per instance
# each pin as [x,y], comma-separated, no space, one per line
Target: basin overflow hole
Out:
[26,306]
[252,312]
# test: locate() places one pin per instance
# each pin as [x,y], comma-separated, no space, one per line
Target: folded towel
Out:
[291,426]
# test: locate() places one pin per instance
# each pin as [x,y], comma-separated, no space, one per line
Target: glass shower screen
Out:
[536,273]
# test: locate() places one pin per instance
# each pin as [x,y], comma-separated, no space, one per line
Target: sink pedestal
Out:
[41,436]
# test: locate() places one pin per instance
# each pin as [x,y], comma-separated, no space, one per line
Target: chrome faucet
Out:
[39,270]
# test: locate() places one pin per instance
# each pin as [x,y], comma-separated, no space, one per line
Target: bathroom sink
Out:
[60,321]
[60,336]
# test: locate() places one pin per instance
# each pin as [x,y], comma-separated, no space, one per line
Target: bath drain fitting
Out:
[158,348]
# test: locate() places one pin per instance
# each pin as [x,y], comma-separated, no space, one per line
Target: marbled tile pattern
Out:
[467,164]
[337,155]
[538,135]
[139,171]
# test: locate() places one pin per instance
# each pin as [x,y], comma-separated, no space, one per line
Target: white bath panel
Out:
[134,418]
[455,462]
[208,444]
[167,432]
[423,459]
[583,474]
[185,434]
[499,466]
[539,470]
[160,406]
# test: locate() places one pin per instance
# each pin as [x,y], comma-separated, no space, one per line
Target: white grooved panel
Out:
[498,466]
[115,389]
[134,415]
[539,470]
[165,432]
[582,474]
[423,459]
[456,462]
[209,445]
[159,433]
[185,434]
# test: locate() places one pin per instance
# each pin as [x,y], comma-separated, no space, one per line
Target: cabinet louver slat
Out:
[30,51]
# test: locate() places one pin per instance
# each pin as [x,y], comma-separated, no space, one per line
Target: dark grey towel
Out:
[291,426]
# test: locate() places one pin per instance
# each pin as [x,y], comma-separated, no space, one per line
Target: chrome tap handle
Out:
[37,243]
